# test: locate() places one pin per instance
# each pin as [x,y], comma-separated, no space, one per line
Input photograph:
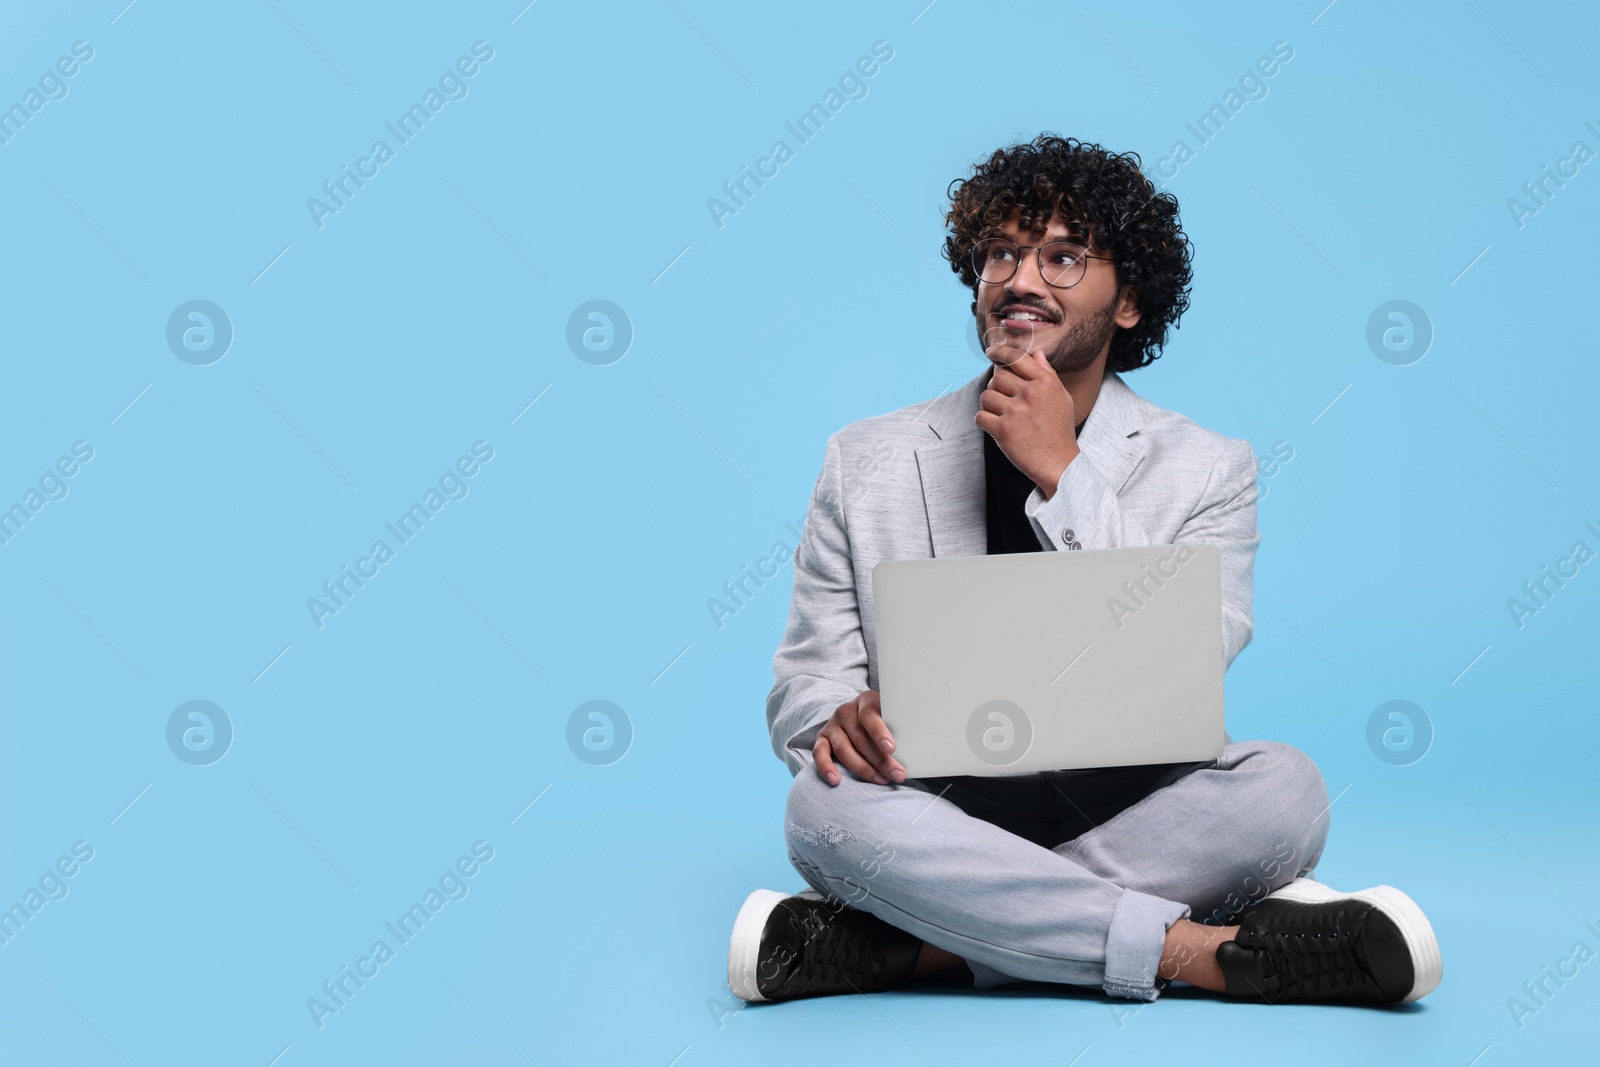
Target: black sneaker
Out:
[1308,943]
[805,945]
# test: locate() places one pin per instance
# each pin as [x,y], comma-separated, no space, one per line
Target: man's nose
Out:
[1027,279]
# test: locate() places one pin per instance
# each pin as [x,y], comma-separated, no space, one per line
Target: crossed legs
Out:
[1092,911]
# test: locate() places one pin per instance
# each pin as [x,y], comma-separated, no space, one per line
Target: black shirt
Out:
[1006,491]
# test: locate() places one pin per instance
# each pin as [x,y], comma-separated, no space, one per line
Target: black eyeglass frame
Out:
[1038,259]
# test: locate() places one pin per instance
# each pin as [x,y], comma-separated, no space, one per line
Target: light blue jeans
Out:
[1089,911]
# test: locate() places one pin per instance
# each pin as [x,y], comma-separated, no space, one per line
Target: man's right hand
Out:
[857,737]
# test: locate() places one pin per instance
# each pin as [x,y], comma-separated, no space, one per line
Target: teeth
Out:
[1025,316]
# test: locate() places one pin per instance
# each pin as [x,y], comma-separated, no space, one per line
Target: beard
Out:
[1078,348]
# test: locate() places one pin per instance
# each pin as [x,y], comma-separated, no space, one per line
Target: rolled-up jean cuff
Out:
[1138,931]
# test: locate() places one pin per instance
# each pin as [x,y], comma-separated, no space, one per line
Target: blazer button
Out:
[1076,544]
[1067,534]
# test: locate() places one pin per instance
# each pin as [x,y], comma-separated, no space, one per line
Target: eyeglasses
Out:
[1062,264]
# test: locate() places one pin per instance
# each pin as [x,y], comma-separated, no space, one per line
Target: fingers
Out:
[843,750]
[870,735]
[1032,365]
[822,751]
[857,738]
[869,745]
[866,750]
[880,740]
[833,749]
[1005,357]
[1015,365]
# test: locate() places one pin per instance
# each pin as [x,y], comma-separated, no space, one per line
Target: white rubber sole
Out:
[1427,966]
[744,947]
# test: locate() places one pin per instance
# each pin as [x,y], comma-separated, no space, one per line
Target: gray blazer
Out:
[910,485]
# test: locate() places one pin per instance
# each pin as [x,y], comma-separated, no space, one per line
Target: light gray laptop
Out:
[1036,661]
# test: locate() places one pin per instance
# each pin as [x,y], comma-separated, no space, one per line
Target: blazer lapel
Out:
[1111,437]
[951,468]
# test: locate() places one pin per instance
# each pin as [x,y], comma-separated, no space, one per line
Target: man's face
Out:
[1074,326]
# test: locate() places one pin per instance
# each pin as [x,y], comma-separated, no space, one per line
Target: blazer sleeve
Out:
[822,660]
[1085,505]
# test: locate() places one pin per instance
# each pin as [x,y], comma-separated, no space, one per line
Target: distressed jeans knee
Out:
[817,815]
[820,835]
[828,827]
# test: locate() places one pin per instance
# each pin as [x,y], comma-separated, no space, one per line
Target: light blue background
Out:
[426,315]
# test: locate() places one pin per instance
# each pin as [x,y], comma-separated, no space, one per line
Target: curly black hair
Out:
[1103,191]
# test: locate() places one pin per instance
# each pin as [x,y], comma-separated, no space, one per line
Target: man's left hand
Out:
[1030,415]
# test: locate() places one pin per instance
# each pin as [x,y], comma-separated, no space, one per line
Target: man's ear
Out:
[1128,315]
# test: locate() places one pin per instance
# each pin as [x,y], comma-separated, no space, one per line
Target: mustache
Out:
[1037,309]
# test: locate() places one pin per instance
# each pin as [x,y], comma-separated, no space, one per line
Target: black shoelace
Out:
[1316,961]
[837,954]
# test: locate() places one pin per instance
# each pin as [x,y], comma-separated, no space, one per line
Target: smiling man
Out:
[1124,878]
